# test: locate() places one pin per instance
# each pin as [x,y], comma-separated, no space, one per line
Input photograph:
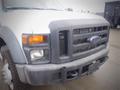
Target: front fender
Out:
[13,45]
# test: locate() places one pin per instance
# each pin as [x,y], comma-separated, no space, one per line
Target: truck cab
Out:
[42,44]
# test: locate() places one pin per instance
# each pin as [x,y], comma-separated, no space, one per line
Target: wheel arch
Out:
[8,38]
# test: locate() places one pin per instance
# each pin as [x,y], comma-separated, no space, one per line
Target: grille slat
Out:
[87,53]
[81,47]
[89,30]
[87,35]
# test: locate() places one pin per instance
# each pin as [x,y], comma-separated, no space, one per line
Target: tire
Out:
[16,84]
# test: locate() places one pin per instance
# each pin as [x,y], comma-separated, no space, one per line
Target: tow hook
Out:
[69,74]
[72,74]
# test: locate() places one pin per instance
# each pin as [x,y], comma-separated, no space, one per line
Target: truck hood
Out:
[27,21]
[37,21]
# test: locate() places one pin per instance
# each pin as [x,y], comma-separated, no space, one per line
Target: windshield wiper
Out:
[24,8]
[29,8]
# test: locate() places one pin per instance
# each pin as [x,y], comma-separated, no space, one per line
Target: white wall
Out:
[86,5]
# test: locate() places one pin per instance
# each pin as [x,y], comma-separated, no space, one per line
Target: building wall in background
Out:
[95,6]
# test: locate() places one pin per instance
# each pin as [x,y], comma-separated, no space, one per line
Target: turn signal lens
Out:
[34,39]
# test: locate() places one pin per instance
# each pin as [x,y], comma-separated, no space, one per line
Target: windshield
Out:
[33,4]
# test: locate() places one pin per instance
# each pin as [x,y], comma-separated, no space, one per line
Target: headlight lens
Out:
[36,54]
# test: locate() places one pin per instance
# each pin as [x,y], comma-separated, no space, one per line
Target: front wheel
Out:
[9,72]
[7,76]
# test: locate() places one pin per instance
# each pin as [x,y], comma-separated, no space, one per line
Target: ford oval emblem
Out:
[94,39]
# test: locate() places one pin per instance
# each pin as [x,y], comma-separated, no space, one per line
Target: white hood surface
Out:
[37,21]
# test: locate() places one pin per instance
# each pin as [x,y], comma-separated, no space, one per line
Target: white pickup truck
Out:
[42,44]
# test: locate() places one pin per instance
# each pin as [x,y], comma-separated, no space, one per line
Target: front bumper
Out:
[53,73]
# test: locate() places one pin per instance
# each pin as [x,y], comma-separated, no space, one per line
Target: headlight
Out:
[36,48]
[36,54]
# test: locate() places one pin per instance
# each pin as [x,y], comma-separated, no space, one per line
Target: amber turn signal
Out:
[33,39]
[36,39]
